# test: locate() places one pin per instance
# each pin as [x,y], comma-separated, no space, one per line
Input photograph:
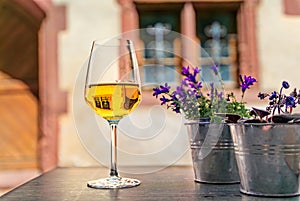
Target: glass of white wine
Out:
[113,90]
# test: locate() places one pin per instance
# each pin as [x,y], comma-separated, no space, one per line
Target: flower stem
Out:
[279,100]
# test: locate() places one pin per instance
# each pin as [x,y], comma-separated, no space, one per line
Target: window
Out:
[160,64]
[216,28]
[225,28]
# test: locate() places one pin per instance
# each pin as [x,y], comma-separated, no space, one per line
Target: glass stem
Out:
[113,151]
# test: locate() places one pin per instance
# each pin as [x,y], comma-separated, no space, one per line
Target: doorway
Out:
[19,86]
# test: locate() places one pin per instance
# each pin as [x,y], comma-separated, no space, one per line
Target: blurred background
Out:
[45,43]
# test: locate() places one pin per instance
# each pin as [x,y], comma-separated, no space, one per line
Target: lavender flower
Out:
[215,69]
[164,100]
[161,89]
[179,91]
[188,97]
[192,77]
[176,107]
[220,95]
[212,88]
[185,71]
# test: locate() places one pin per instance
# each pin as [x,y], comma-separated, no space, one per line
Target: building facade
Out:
[253,37]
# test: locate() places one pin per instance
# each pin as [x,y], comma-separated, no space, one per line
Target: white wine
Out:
[112,101]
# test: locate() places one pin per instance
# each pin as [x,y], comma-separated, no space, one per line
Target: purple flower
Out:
[220,95]
[196,71]
[285,84]
[190,77]
[179,91]
[175,104]
[161,89]
[215,68]
[164,100]
[185,71]
[262,95]
[156,92]
[192,85]
[199,85]
[195,86]
[176,108]
[273,95]
[185,82]
[194,76]
[198,95]
[211,95]
[290,101]
[191,92]
[246,82]
[189,99]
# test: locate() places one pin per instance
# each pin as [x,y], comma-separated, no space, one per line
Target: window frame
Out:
[248,60]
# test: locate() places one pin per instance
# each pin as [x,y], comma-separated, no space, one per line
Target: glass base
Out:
[113,182]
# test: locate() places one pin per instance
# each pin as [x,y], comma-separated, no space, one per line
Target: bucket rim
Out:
[263,124]
[192,122]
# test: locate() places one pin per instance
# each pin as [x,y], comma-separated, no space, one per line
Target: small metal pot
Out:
[268,157]
[212,153]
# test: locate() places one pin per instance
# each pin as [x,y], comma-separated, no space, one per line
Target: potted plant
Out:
[267,146]
[206,113]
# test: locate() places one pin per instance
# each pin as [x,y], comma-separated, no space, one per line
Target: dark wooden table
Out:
[172,183]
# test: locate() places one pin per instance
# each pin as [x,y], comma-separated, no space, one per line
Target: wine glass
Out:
[113,90]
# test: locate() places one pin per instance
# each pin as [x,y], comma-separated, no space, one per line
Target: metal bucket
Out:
[268,158]
[212,153]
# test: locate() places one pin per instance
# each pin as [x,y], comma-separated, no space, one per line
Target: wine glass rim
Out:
[109,42]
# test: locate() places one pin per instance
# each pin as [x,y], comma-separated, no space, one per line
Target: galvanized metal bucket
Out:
[212,153]
[268,157]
